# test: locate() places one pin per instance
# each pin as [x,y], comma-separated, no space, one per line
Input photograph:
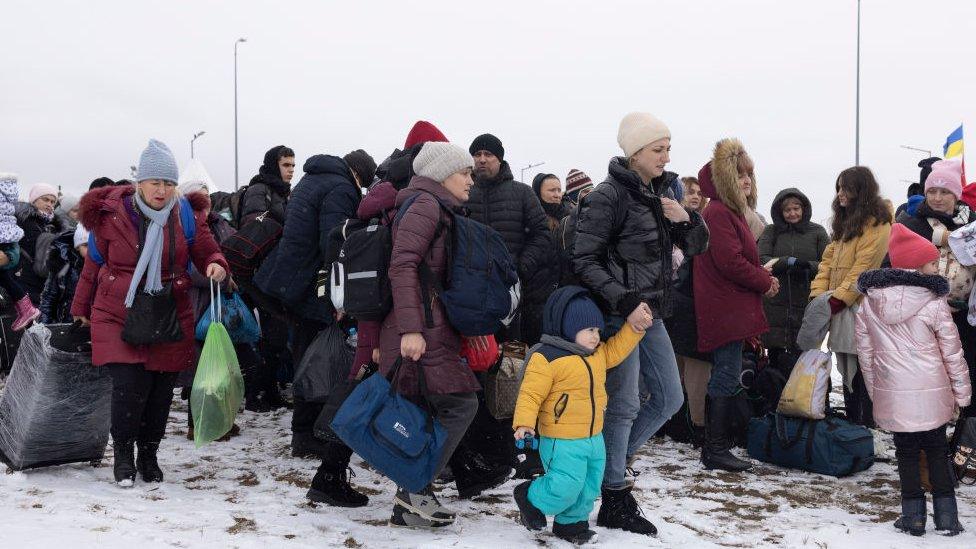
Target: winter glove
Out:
[801,265]
[836,305]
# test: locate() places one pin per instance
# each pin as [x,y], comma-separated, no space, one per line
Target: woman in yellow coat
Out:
[563,398]
[859,242]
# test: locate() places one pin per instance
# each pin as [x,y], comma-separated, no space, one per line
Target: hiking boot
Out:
[403,517]
[124,466]
[473,474]
[946,515]
[716,451]
[912,519]
[146,463]
[424,505]
[577,533]
[619,510]
[26,314]
[330,485]
[306,445]
[531,517]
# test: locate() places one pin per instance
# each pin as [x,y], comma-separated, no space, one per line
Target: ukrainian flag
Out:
[953,144]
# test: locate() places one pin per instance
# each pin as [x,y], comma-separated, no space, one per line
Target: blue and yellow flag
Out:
[953,144]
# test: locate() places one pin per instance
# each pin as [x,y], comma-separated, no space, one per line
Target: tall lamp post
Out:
[530,166]
[195,136]
[236,179]
[926,151]
[857,101]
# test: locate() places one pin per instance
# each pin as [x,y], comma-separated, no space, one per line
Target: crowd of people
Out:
[640,298]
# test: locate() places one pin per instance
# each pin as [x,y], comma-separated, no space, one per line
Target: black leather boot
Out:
[716,451]
[576,533]
[147,464]
[124,467]
[331,486]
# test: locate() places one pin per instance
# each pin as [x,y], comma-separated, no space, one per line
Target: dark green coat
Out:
[804,240]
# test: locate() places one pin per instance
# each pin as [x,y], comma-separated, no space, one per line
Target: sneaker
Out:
[403,517]
[424,505]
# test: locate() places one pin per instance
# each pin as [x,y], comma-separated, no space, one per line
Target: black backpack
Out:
[566,237]
[359,283]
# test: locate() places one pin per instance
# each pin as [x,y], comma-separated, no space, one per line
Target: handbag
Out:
[504,378]
[964,454]
[393,435]
[152,318]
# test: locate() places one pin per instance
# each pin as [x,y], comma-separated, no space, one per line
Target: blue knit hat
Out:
[581,313]
[157,162]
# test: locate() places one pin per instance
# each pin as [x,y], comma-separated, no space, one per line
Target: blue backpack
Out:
[186,220]
[481,273]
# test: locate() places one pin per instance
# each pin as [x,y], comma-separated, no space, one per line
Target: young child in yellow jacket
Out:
[563,398]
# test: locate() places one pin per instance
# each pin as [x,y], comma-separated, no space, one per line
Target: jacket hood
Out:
[422,184]
[97,202]
[552,316]
[899,294]
[718,178]
[199,201]
[327,164]
[776,211]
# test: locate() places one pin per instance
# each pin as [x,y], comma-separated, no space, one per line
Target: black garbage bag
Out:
[324,365]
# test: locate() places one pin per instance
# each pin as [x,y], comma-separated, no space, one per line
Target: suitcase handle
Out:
[784,439]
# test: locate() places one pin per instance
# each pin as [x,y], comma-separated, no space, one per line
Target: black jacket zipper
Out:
[589,370]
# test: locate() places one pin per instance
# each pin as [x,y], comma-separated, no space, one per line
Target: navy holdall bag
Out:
[831,446]
[394,435]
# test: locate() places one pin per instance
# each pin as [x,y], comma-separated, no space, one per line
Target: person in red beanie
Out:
[915,371]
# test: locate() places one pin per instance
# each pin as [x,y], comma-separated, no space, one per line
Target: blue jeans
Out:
[726,369]
[574,470]
[628,423]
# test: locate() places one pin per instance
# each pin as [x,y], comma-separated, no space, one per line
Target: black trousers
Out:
[907,449]
[9,282]
[140,402]
[304,413]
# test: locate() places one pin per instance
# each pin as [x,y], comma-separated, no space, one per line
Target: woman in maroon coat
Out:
[142,376]
[729,284]
[417,329]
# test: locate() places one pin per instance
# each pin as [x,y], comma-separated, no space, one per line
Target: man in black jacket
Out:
[268,190]
[625,235]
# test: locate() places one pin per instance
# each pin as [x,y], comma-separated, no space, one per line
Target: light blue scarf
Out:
[151,258]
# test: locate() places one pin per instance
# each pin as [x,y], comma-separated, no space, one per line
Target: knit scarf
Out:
[150,261]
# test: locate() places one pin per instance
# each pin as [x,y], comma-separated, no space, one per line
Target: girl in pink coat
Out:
[914,370]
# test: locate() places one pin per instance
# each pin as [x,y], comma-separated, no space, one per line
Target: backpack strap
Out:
[424,273]
[187,221]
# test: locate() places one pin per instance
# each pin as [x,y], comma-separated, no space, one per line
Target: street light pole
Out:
[195,136]
[236,177]
[926,151]
[857,101]
[530,166]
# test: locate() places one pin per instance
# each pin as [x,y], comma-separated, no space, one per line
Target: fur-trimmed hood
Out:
[199,201]
[97,202]
[899,294]
[719,177]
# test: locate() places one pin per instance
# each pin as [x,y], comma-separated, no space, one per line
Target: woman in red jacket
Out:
[133,228]
[729,285]
[417,329]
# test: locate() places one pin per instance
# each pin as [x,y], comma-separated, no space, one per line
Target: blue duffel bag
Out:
[831,446]
[393,435]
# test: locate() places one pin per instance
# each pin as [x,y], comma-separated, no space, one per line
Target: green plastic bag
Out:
[218,387]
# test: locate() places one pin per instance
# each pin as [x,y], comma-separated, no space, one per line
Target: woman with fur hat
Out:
[729,284]
[859,241]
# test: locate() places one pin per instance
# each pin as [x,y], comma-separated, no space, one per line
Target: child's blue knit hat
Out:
[581,313]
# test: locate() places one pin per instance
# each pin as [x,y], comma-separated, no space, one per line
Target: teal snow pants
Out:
[574,472]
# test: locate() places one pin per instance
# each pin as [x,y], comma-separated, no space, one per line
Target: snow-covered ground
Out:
[249,492]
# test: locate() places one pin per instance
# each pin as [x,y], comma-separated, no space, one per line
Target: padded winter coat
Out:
[729,281]
[64,267]
[420,236]
[623,255]
[511,208]
[326,196]
[265,193]
[110,213]
[780,241]
[563,393]
[843,262]
[908,350]
[30,219]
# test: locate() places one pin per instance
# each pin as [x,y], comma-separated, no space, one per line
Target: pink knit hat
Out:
[946,174]
[42,189]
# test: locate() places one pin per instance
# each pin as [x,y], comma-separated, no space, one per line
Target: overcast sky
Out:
[86,84]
